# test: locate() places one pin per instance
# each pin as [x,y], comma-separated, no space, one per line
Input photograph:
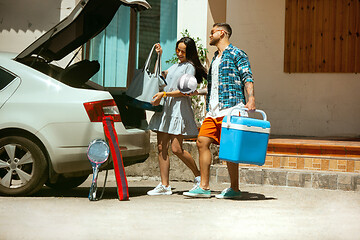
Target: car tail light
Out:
[98,109]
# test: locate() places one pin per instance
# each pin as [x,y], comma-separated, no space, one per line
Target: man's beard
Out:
[213,42]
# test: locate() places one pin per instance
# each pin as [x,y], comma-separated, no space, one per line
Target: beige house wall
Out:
[216,13]
[323,105]
[191,16]
[23,21]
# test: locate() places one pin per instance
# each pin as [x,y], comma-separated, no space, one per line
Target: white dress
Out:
[177,117]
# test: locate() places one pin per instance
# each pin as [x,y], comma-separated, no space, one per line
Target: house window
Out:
[158,25]
[322,36]
[112,46]
[111,49]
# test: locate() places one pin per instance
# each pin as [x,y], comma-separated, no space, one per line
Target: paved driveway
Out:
[264,212]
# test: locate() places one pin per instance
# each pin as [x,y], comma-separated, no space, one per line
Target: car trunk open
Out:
[87,20]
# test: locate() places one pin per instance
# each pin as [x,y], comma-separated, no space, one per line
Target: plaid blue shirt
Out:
[234,72]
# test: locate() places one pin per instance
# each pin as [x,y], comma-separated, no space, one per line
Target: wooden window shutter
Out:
[322,36]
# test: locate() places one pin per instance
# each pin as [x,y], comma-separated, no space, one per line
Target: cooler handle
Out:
[241,108]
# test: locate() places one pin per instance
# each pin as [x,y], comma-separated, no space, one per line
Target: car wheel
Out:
[67,183]
[23,166]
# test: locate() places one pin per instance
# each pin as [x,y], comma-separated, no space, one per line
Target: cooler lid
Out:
[247,124]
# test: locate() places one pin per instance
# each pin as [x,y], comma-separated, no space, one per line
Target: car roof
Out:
[87,20]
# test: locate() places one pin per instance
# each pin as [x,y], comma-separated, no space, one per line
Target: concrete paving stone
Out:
[298,179]
[178,170]
[357,183]
[251,175]
[295,179]
[276,178]
[215,153]
[325,181]
[346,182]
[222,174]
[213,174]
[307,180]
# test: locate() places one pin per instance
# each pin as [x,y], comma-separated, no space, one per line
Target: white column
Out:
[192,15]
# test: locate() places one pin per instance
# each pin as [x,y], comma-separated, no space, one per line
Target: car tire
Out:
[23,166]
[63,183]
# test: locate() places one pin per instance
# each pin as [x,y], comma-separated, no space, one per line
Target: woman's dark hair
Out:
[192,56]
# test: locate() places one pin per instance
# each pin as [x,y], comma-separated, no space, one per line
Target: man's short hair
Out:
[225,26]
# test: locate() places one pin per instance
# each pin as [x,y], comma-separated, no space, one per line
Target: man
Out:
[228,75]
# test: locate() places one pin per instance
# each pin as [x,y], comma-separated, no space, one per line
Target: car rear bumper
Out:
[69,143]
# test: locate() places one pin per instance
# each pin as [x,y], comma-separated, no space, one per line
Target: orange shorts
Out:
[211,128]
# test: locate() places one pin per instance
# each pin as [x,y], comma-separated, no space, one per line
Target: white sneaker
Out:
[197,181]
[160,190]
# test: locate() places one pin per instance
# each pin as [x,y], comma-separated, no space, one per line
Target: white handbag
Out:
[145,84]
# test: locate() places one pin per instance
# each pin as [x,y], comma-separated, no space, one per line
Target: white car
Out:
[45,124]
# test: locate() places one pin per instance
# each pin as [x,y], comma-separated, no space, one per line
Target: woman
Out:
[176,121]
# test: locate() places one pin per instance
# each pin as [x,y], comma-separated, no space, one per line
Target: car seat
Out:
[79,73]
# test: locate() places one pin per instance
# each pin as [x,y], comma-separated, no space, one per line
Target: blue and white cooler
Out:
[244,139]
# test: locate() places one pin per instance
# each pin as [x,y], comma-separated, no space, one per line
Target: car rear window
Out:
[5,78]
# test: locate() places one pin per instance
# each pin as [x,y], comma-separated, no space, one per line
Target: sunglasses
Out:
[180,51]
[213,32]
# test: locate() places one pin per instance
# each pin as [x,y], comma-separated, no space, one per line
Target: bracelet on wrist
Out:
[164,95]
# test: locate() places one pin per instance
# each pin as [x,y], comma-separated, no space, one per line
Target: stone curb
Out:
[247,175]
[291,178]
